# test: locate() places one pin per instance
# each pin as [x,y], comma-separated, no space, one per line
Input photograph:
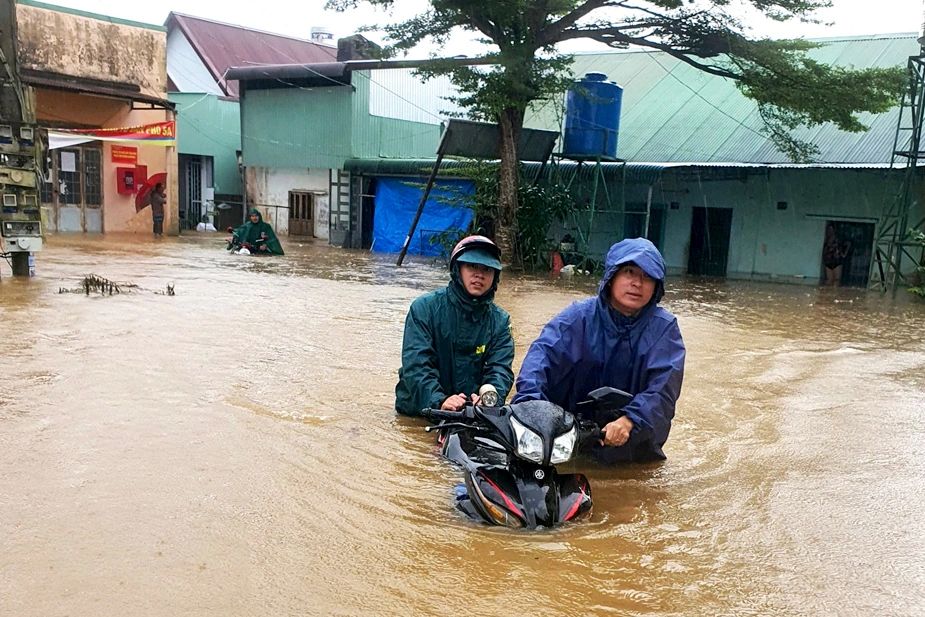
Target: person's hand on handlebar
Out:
[616,433]
[454,402]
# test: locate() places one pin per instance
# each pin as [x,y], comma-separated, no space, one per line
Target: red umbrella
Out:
[143,196]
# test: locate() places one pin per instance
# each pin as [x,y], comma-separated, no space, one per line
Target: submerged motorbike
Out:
[240,247]
[509,455]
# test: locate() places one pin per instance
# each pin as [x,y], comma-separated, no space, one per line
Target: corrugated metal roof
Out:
[673,112]
[644,173]
[223,46]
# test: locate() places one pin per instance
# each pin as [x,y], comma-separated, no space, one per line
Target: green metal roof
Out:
[644,173]
[674,113]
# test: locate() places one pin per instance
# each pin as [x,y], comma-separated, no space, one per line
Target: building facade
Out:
[199,53]
[91,71]
[694,170]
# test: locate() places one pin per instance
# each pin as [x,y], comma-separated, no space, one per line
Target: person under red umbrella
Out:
[158,199]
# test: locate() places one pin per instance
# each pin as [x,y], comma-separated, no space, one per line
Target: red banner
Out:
[159,133]
[124,154]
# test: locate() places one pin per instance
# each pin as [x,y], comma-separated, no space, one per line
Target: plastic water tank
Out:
[592,118]
[322,36]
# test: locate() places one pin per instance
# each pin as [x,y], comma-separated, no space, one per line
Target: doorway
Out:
[860,240]
[301,217]
[709,250]
[635,220]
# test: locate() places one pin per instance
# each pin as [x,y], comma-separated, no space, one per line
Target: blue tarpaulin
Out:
[397,199]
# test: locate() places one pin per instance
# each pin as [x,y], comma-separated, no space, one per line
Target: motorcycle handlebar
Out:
[441,414]
[592,432]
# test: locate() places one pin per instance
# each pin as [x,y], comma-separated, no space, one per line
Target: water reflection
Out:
[234,447]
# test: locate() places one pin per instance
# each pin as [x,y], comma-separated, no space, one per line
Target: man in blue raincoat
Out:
[622,339]
[456,339]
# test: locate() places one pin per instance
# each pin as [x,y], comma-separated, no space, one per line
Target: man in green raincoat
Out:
[456,339]
[257,234]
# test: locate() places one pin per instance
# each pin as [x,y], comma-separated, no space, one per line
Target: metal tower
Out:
[892,248]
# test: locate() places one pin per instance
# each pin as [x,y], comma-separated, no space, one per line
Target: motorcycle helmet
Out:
[477,250]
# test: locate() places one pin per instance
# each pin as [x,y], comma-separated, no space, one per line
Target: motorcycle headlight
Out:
[529,444]
[563,446]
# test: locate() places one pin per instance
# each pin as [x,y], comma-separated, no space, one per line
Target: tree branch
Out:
[615,36]
[550,34]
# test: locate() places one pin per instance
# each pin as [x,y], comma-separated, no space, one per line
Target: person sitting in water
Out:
[620,338]
[257,234]
[456,339]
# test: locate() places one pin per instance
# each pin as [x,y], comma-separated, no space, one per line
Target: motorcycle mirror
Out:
[609,398]
[230,229]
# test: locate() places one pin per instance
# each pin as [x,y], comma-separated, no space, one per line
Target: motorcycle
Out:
[509,454]
[240,247]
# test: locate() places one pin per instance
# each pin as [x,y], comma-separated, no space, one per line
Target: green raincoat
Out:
[454,343]
[252,232]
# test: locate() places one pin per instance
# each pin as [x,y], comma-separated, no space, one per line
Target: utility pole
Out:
[20,154]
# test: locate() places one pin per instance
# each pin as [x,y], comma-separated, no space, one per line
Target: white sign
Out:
[68,161]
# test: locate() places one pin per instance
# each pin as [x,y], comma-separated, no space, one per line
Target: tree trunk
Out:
[511,121]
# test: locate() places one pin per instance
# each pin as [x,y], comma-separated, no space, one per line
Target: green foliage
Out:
[919,289]
[541,205]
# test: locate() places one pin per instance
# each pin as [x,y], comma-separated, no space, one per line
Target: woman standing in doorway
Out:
[833,256]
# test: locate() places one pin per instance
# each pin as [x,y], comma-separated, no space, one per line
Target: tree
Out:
[790,88]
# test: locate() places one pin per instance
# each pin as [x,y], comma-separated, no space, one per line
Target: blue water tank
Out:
[592,118]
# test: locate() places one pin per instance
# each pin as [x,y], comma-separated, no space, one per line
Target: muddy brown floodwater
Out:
[232,450]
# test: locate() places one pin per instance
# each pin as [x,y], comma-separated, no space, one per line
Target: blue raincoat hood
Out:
[642,253]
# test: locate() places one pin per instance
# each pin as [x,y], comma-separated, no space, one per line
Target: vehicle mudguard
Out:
[574,498]
[530,496]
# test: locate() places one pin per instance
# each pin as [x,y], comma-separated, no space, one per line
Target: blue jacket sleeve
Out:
[550,361]
[499,358]
[419,358]
[652,409]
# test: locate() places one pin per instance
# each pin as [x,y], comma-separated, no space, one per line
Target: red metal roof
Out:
[223,46]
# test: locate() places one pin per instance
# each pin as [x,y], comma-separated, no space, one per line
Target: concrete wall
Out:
[92,46]
[766,243]
[268,190]
[210,126]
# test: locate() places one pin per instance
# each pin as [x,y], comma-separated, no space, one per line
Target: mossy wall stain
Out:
[92,48]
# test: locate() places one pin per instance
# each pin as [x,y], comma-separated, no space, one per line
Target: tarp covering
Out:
[397,200]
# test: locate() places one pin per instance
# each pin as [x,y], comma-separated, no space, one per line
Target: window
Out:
[68,177]
[73,177]
[93,190]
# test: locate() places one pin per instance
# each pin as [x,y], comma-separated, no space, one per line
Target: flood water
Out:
[233,450]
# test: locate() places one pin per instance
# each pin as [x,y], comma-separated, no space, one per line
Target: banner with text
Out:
[157,134]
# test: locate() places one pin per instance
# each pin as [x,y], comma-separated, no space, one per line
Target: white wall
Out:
[268,189]
[185,68]
[768,243]
[399,94]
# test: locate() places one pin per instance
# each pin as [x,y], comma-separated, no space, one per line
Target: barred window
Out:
[93,190]
[69,176]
